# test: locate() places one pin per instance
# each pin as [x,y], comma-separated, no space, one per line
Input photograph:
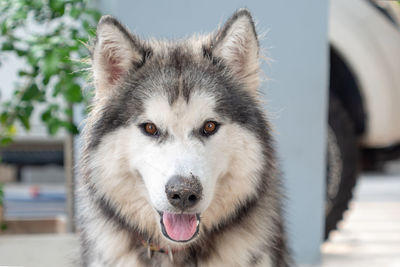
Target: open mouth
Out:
[179,227]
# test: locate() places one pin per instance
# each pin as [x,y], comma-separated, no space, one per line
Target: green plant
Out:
[3,225]
[48,36]
[1,195]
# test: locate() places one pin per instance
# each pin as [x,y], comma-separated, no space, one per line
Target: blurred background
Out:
[331,89]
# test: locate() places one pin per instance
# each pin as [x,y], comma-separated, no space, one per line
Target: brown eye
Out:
[209,127]
[150,128]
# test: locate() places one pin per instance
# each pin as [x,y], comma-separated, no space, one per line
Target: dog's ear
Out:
[236,43]
[114,54]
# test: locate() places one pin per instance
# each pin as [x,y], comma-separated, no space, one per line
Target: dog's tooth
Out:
[170,255]
[149,252]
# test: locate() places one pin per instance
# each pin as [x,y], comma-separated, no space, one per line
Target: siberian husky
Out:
[179,167]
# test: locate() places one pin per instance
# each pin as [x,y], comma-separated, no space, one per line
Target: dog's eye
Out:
[209,128]
[150,128]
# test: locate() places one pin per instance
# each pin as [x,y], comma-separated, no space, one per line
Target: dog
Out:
[178,165]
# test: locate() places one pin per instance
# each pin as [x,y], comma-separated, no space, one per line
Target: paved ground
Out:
[369,235]
[38,250]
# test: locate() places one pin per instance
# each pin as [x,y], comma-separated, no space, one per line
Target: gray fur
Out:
[176,71]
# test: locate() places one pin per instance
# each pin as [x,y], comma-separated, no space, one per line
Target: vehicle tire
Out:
[343,164]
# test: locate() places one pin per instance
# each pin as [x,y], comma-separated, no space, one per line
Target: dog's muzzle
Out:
[183,194]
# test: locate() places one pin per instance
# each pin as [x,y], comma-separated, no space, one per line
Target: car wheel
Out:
[343,164]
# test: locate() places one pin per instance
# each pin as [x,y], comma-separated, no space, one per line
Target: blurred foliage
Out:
[1,195]
[3,226]
[49,36]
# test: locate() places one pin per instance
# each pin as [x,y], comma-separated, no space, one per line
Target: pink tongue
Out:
[180,227]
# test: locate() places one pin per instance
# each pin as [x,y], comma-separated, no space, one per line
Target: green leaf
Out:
[32,93]
[27,110]
[48,114]
[73,93]
[11,130]
[86,25]
[46,80]
[75,12]
[54,125]
[21,53]
[58,7]
[64,82]
[24,112]
[70,127]
[3,117]
[25,121]
[34,56]
[7,46]
[6,140]
[22,73]
[68,112]
[20,14]
[4,28]
[3,226]
[50,64]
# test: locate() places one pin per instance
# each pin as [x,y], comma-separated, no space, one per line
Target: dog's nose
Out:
[183,192]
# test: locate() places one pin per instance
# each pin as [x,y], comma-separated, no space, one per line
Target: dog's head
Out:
[176,125]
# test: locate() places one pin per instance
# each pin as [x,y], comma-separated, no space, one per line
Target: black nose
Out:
[183,192]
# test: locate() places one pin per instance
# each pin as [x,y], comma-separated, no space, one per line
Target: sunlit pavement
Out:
[369,236]
[370,233]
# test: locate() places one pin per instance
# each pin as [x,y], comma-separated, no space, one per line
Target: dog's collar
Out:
[154,248]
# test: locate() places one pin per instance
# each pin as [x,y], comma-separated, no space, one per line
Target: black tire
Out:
[343,164]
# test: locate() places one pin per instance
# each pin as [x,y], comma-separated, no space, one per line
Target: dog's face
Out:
[178,118]
[183,150]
